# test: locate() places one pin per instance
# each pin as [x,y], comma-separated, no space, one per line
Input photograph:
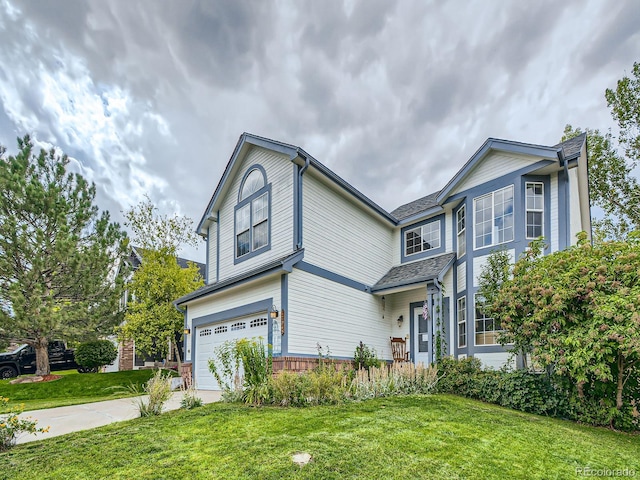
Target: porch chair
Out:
[399,349]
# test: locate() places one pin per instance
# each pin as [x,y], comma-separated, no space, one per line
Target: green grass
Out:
[73,388]
[403,437]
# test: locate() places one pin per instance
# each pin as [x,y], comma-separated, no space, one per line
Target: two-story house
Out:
[298,256]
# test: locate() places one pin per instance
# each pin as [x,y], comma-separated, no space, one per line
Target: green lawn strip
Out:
[73,389]
[403,437]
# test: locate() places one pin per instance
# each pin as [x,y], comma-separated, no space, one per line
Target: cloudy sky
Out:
[150,97]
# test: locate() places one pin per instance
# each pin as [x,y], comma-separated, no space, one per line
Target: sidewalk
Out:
[73,418]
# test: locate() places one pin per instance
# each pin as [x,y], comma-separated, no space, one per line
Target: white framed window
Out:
[487,329]
[422,239]
[252,214]
[238,326]
[205,332]
[535,209]
[220,329]
[461,225]
[462,322]
[493,218]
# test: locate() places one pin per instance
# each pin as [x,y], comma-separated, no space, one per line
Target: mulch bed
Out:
[36,378]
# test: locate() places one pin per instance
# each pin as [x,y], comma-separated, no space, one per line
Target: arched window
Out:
[252,228]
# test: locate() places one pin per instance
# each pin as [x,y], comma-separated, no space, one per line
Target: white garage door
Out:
[211,336]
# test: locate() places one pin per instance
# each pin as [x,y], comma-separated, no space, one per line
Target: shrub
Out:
[365,357]
[12,425]
[290,389]
[96,354]
[395,379]
[158,389]
[242,369]
[190,399]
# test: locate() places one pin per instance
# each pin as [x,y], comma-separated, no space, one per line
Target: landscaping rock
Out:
[301,459]
[33,379]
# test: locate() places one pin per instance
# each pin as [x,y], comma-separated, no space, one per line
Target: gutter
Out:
[307,162]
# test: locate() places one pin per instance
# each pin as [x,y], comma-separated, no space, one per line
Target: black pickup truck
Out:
[23,359]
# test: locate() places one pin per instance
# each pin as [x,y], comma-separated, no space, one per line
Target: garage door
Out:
[209,337]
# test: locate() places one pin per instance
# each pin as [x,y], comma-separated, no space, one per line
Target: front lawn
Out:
[437,437]
[73,388]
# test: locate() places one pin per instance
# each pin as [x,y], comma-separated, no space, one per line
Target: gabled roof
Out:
[136,261]
[294,153]
[415,272]
[496,144]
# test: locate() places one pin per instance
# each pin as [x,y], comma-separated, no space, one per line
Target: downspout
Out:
[564,163]
[299,200]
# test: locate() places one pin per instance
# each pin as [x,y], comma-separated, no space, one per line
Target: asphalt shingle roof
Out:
[412,208]
[571,147]
[415,272]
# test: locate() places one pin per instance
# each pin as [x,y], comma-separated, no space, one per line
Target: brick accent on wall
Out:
[302,364]
[126,355]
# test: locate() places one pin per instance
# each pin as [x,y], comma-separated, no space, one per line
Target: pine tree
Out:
[58,255]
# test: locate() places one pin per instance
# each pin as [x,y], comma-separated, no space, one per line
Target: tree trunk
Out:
[620,382]
[41,347]
[176,352]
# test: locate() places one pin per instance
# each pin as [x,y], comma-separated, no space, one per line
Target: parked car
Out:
[23,359]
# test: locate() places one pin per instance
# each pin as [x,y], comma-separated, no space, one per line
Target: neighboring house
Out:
[128,358]
[285,234]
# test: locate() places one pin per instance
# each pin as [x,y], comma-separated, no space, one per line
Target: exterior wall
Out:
[448,322]
[227,301]
[342,237]
[399,304]
[125,354]
[494,162]
[334,315]
[279,172]
[448,231]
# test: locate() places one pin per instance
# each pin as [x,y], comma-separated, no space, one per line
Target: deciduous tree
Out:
[57,253]
[151,319]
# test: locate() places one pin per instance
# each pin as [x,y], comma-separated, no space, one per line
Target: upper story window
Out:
[535,209]
[422,239]
[462,322]
[493,218]
[461,223]
[252,214]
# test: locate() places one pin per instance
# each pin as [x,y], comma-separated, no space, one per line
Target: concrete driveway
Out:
[73,418]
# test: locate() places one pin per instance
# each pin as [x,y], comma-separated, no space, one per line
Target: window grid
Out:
[462,322]
[205,332]
[487,329]
[238,326]
[220,329]
[252,218]
[423,238]
[535,209]
[493,218]
[257,322]
[462,228]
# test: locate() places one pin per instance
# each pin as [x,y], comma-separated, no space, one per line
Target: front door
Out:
[421,343]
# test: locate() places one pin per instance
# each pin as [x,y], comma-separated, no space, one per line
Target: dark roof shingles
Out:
[572,147]
[417,206]
[414,272]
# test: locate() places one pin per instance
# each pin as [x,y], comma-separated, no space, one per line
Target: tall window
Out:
[461,223]
[421,239]
[493,218]
[535,209]
[462,322]
[252,214]
[487,329]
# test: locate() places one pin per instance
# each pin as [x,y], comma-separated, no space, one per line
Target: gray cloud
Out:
[150,97]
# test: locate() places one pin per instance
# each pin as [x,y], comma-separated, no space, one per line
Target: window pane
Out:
[503,204]
[253,183]
[483,221]
[461,219]
[260,234]
[413,241]
[534,224]
[260,209]
[431,236]
[462,322]
[242,244]
[243,219]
